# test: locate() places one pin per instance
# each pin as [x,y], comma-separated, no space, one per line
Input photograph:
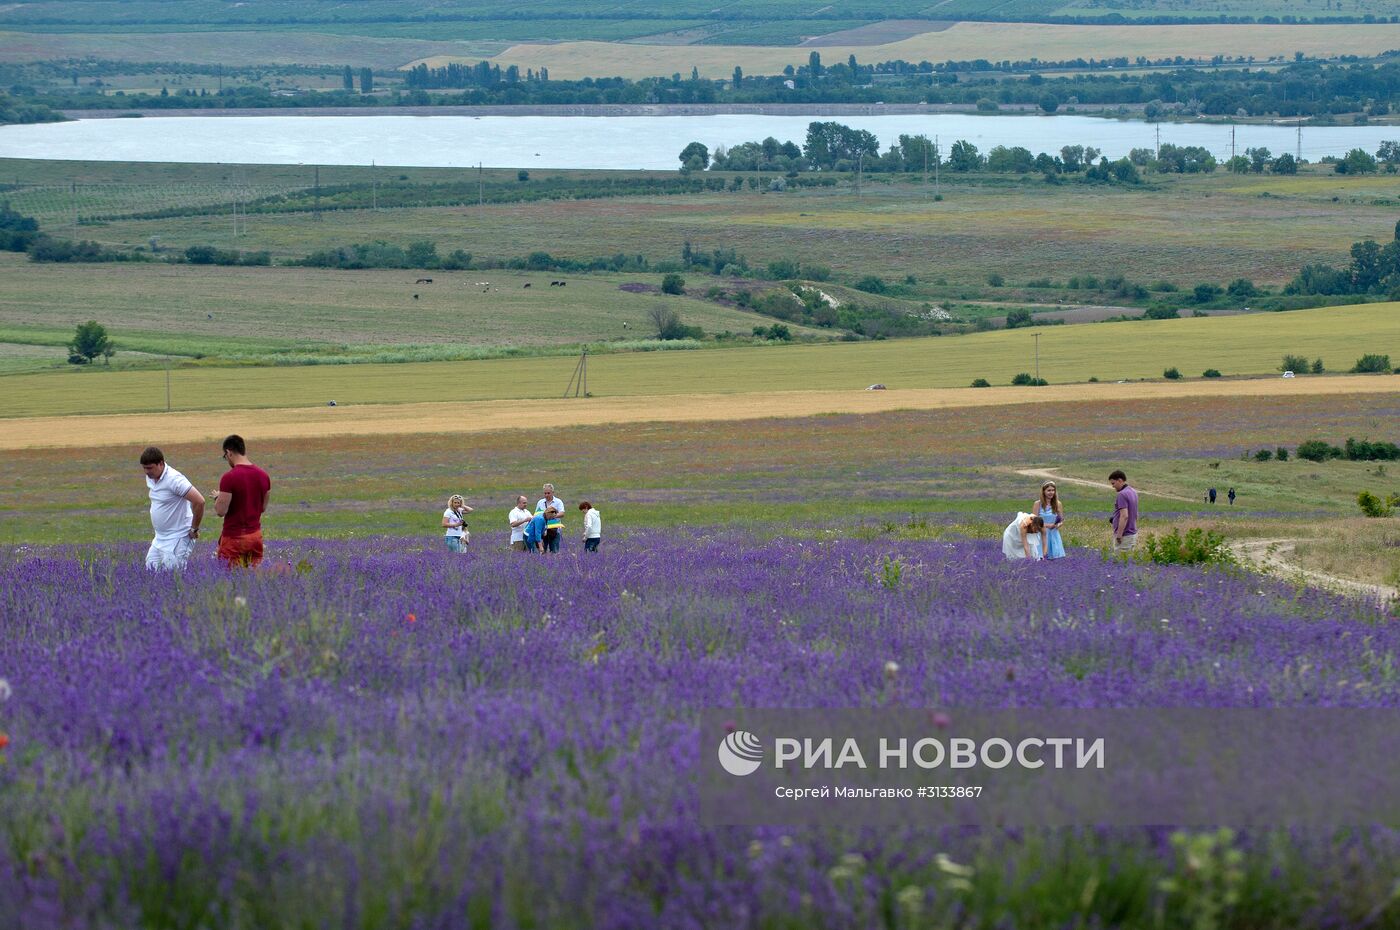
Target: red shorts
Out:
[241,551]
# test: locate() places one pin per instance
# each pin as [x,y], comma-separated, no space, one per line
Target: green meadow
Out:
[1251,344]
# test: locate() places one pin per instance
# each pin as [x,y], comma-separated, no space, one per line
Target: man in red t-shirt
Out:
[243,493]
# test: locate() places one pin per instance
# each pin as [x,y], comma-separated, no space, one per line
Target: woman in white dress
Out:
[1024,538]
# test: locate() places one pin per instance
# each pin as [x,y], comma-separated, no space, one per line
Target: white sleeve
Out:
[181,485]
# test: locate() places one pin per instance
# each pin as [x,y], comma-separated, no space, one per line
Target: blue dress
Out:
[1055,549]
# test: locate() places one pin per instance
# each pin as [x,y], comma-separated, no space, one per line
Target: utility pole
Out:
[937,157]
[318,192]
[1037,356]
[860,163]
[480,187]
[1232,141]
[578,381]
[374,181]
[167,384]
[1157,151]
[1299,156]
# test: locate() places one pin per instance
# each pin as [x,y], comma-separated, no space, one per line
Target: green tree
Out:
[1357,161]
[1372,364]
[672,283]
[89,341]
[963,156]
[695,157]
[738,75]
[1019,317]
[1284,164]
[814,64]
[366,80]
[347,79]
[1049,103]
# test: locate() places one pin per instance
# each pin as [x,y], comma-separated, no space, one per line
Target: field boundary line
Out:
[77,431]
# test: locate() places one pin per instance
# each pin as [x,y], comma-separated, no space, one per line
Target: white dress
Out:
[1011,540]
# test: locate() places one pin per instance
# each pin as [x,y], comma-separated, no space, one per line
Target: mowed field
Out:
[1239,345]
[1184,229]
[963,41]
[271,314]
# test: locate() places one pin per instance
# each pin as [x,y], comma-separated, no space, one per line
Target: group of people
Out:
[177,508]
[1210,496]
[538,530]
[1036,535]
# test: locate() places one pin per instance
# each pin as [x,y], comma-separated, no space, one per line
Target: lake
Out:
[620,142]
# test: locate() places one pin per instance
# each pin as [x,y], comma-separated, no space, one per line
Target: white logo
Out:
[741,753]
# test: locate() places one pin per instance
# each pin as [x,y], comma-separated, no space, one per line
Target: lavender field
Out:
[378,734]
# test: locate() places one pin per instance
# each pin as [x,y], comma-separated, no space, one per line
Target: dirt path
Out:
[1269,555]
[1265,555]
[491,415]
[1052,474]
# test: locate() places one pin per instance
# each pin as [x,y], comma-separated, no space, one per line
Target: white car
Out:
[1288,374]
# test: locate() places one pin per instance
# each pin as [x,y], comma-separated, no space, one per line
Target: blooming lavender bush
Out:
[370,734]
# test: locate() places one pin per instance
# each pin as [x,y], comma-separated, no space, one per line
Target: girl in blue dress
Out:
[1049,509]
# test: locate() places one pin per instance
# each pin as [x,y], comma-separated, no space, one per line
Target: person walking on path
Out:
[518,517]
[243,494]
[1231,495]
[1212,495]
[592,527]
[1023,538]
[553,510]
[454,518]
[177,508]
[1125,513]
[1052,512]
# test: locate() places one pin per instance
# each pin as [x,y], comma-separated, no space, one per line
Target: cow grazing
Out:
[424,281]
[563,283]
[624,324]
[527,283]
[415,296]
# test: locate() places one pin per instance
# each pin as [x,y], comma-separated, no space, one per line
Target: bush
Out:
[522,175]
[1281,454]
[1164,287]
[1315,450]
[871,285]
[1024,379]
[1317,368]
[995,280]
[1295,363]
[981,382]
[1372,364]
[1172,374]
[1019,318]
[777,332]
[1363,450]
[1161,313]
[1205,293]
[673,284]
[669,326]
[1197,547]
[1211,373]
[1241,288]
[1373,506]
[1263,455]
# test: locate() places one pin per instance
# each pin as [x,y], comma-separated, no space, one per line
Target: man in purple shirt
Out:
[1125,513]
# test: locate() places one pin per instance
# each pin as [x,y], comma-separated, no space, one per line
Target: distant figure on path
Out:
[1023,538]
[176,511]
[1052,512]
[592,527]
[454,518]
[243,493]
[518,517]
[553,510]
[1212,495]
[1125,513]
[1231,495]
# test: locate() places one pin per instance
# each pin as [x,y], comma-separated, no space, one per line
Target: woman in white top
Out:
[1023,538]
[592,527]
[454,518]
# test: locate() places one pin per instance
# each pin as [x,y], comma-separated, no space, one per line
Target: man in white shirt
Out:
[177,509]
[519,516]
[553,510]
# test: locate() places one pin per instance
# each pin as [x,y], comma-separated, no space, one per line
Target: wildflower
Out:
[4,740]
[729,726]
[942,720]
[1010,674]
[240,601]
[412,618]
[5,690]
[891,669]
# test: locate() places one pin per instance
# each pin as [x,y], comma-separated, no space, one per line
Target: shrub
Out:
[777,332]
[1197,547]
[1018,318]
[1164,287]
[673,284]
[1242,288]
[1372,364]
[1281,454]
[1315,450]
[1263,455]
[1317,368]
[995,280]
[1172,374]
[1373,506]
[981,382]
[1363,450]
[1160,313]
[1211,373]
[669,325]
[1024,379]
[1205,293]
[871,285]
[522,175]
[1296,363]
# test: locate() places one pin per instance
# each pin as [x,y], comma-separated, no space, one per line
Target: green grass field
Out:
[273,315]
[1239,345]
[1262,228]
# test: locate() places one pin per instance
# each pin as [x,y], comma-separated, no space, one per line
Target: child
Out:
[592,527]
[534,533]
